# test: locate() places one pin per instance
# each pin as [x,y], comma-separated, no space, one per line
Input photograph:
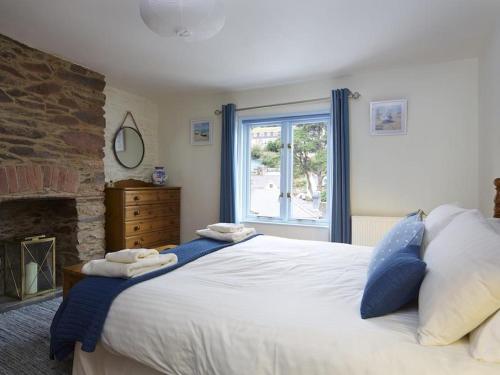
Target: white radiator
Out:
[368,230]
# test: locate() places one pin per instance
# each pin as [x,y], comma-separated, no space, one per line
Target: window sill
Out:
[322,225]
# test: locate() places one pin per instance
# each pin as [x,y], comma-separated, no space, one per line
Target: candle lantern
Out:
[29,267]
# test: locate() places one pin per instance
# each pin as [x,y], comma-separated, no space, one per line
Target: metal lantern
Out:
[30,267]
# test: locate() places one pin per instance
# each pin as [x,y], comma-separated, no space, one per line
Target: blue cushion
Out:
[396,270]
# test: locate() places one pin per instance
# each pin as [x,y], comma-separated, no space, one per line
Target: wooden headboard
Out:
[497,199]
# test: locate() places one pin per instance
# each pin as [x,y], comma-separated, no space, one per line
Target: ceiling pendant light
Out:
[189,20]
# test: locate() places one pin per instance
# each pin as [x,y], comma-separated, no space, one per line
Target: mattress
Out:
[272,306]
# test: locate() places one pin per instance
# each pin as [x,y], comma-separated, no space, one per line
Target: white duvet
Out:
[273,306]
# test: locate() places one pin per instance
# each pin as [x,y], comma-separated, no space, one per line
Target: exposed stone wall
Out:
[52,137]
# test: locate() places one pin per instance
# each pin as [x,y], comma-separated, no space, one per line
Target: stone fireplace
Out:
[52,217]
[51,151]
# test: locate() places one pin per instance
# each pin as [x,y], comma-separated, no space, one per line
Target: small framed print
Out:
[201,132]
[388,117]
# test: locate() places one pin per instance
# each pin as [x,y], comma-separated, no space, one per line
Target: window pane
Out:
[309,191]
[265,174]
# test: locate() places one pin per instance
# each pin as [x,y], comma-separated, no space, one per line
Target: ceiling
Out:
[264,42]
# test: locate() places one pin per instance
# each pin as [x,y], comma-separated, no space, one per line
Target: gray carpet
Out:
[24,341]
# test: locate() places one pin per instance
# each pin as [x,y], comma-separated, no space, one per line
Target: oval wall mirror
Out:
[128,145]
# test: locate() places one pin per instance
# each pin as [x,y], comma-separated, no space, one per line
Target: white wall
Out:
[436,162]
[146,114]
[194,168]
[489,121]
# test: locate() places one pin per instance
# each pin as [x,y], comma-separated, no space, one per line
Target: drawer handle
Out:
[137,227]
[137,212]
[138,243]
[136,198]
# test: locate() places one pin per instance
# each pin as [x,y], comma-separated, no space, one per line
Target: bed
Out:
[269,305]
[266,306]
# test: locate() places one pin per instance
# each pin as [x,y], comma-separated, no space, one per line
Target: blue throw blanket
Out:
[82,314]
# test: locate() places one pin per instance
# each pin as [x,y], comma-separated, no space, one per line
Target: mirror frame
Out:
[142,141]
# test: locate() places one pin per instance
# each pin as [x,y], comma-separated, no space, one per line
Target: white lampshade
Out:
[191,20]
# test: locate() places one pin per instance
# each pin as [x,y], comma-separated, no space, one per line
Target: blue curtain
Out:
[340,226]
[227,165]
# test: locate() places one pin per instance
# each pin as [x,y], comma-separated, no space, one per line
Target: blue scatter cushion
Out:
[396,270]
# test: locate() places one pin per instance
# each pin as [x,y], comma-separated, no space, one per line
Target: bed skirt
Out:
[104,362]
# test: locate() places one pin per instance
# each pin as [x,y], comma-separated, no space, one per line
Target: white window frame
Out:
[286,167]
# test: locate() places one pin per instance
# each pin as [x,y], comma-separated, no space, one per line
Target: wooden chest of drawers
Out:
[142,216]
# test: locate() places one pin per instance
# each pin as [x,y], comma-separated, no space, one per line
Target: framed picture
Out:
[388,117]
[201,132]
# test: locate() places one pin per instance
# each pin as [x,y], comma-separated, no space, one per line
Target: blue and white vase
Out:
[159,176]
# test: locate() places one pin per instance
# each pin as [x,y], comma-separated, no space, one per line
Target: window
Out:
[284,169]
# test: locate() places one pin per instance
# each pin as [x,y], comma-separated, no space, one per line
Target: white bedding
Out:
[273,306]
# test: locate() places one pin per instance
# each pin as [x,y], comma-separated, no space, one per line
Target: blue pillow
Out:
[396,270]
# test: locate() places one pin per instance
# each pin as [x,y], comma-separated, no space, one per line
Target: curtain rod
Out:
[353,95]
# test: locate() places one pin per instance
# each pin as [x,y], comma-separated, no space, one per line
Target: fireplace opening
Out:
[53,217]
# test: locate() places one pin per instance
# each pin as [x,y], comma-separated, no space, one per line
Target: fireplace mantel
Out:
[35,179]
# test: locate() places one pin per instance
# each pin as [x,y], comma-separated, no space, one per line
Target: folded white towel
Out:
[226,227]
[102,267]
[229,237]
[131,255]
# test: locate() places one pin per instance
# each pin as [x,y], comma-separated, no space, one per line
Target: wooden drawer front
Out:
[154,238]
[133,228]
[150,211]
[148,197]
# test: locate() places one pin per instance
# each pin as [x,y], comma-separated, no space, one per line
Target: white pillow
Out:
[462,285]
[438,219]
[485,340]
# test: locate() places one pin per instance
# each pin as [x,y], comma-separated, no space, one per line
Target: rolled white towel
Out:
[226,227]
[229,237]
[131,255]
[103,267]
